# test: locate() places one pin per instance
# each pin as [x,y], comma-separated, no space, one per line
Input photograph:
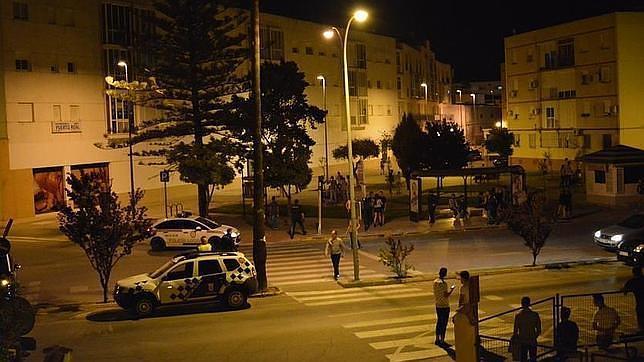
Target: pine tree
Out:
[405,144]
[195,62]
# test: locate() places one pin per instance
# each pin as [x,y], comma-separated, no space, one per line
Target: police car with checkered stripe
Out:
[189,278]
[188,231]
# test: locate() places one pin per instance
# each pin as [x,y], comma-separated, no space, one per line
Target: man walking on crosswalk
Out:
[335,247]
[441,296]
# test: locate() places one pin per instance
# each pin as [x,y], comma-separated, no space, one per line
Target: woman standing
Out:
[335,247]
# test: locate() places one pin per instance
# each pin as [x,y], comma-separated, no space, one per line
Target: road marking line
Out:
[307,281]
[382,310]
[36,239]
[403,342]
[340,291]
[417,355]
[297,258]
[380,322]
[320,267]
[393,331]
[368,255]
[303,262]
[78,289]
[357,293]
[493,297]
[292,276]
[363,299]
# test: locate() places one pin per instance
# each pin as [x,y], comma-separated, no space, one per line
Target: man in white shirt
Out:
[441,296]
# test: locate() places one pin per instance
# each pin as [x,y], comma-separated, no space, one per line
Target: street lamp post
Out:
[424,86]
[460,96]
[130,117]
[359,16]
[326,140]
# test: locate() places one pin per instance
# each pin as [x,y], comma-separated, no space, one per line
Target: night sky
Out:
[467,34]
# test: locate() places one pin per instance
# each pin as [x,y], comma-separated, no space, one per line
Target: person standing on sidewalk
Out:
[433,204]
[335,248]
[527,328]
[441,296]
[635,285]
[605,322]
[297,217]
[273,213]
[368,211]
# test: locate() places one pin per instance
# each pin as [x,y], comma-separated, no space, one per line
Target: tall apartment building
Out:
[55,114]
[575,88]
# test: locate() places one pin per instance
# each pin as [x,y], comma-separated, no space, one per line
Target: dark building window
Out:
[117,21]
[633,174]
[600,177]
[361,56]
[566,53]
[71,67]
[607,141]
[23,65]
[272,43]
[309,51]
[20,11]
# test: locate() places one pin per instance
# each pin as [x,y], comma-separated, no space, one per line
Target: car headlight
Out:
[234,234]
[617,238]
[639,248]
[4,282]
[598,233]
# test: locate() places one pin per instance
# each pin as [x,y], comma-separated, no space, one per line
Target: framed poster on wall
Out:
[48,189]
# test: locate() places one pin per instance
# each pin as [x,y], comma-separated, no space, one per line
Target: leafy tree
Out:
[286,116]
[365,148]
[195,65]
[532,222]
[394,256]
[444,146]
[405,145]
[208,165]
[100,226]
[500,141]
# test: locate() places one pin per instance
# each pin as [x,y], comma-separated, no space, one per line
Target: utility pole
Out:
[259,241]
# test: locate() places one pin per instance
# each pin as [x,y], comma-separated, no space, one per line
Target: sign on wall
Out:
[415,189]
[66,127]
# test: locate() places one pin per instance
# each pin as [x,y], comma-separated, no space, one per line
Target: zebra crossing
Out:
[300,264]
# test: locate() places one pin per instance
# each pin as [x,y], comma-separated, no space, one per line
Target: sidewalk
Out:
[396,227]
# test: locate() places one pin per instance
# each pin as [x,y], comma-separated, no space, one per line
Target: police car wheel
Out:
[144,306]
[157,244]
[236,298]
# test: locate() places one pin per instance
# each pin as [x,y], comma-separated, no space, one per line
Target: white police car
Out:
[189,278]
[187,232]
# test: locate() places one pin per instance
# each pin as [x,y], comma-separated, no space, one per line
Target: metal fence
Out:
[583,309]
[496,331]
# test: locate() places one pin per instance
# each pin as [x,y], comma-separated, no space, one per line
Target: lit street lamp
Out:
[326,142]
[424,85]
[476,119]
[498,124]
[130,121]
[460,96]
[359,16]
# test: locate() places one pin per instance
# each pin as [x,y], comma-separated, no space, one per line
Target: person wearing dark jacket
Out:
[297,217]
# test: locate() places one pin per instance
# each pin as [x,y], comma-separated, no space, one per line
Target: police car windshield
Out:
[157,273]
[207,222]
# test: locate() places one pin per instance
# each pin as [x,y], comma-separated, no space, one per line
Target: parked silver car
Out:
[610,236]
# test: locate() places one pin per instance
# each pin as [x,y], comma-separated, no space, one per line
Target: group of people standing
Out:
[373,209]
[493,203]
[336,189]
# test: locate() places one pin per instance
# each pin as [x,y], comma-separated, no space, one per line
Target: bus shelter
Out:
[517,183]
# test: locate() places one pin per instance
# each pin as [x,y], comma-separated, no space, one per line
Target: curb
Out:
[270,292]
[480,272]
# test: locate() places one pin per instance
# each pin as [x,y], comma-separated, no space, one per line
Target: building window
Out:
[295,50]
[600,177]
[551,122]
[272,44]
[529,56]
[71,67]
[48,189]
[398,64]
[389,110]
[517,140]
[362,109]
[587,142]
[633,174]
[378,84]
[117,20]
[58,114]
[532,140]
[74,113]
[20,10]
[361,56]
[23,65]
[54,68]
[357,84]
[607,141]
[309,50]
[604,74]
[25,112]
[566,53]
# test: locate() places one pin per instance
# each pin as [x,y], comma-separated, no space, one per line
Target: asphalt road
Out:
[311,322]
